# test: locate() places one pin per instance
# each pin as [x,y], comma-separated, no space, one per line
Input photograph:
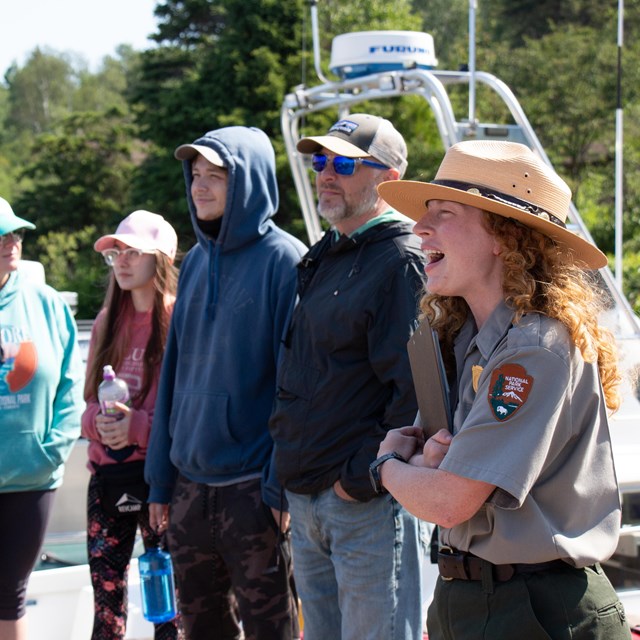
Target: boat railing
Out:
[431,85]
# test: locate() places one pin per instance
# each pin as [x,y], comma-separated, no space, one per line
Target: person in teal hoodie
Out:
[41,378]
[208,460]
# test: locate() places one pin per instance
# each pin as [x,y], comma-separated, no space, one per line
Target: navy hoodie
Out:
[235,293]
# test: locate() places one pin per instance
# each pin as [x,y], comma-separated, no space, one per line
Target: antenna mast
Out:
[316,40]
[619,180]
[473,5]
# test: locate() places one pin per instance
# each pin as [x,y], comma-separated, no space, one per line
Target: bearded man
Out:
[344,381]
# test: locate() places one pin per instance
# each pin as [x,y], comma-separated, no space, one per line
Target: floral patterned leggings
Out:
[110,543]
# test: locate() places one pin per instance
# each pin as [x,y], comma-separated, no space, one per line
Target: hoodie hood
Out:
[252,190]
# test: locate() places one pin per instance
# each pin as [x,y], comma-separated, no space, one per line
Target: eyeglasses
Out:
[341,165]
[11,237]
[132,255]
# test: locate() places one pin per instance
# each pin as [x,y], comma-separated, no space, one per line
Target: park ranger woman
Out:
[523,489]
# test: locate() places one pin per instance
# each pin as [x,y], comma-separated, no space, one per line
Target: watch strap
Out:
[374,469]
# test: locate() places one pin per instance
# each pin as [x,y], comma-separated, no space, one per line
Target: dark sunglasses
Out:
[341,165]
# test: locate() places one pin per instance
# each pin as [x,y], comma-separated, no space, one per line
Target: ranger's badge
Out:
[476,372]
[509,389]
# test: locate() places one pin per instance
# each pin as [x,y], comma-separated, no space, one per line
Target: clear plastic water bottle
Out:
[111,390]
[156,584]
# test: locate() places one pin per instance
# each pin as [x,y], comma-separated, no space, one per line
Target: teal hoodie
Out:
[235,293]
[41,381]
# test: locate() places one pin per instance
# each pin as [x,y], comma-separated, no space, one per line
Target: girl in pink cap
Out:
[129,334]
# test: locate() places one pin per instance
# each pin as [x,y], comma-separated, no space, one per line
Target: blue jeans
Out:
[357,567]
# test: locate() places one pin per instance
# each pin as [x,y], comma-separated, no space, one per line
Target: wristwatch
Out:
[374,470]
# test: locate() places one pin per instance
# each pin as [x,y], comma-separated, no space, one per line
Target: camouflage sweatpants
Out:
[232,569]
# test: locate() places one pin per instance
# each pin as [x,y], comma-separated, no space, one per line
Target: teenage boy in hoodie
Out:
[344,381]
[209,452]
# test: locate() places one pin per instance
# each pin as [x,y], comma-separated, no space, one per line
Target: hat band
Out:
[498,196]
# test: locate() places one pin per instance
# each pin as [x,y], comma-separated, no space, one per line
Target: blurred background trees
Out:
[80,150]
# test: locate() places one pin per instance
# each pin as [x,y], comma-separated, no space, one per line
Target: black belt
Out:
[460,565]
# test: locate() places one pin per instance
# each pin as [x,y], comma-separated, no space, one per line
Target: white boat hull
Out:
[60,605]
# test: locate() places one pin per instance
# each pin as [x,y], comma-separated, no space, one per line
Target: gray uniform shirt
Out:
[531,419]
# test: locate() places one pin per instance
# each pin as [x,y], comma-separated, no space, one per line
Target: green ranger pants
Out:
[557,604]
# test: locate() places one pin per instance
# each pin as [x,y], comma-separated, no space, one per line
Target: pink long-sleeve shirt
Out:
[132,371]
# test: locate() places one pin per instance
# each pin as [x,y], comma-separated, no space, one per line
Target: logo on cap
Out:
[344,126]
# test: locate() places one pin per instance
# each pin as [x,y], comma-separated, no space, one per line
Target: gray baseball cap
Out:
[361,135]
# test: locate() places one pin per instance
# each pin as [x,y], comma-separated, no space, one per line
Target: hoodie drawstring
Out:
[214,287]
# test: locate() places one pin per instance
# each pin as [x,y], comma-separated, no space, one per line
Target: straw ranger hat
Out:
[505,178]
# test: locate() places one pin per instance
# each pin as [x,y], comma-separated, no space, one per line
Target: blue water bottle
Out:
[156,584]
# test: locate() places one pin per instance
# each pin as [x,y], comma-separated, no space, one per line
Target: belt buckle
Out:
[447,551]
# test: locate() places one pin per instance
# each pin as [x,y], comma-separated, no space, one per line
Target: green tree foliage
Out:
[516,20]
[39,93]
[107,88]
[570,111]
[79,150]
[6,180]
[631,183]
[71,264]
[447,21]
[80,174]
[631,275]
[4,103]
[188,23]
[336,17]
[237,73]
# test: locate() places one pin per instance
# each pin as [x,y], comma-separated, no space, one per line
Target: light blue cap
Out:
[9,221]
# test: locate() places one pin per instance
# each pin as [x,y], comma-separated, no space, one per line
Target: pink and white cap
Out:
[145,231]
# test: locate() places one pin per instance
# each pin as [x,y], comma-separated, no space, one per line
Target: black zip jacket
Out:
[344,378]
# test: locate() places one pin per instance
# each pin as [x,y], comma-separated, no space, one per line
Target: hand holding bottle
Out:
[114,432]
[115,419]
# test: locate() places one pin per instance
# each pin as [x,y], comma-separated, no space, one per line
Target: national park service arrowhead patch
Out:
[509,390]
